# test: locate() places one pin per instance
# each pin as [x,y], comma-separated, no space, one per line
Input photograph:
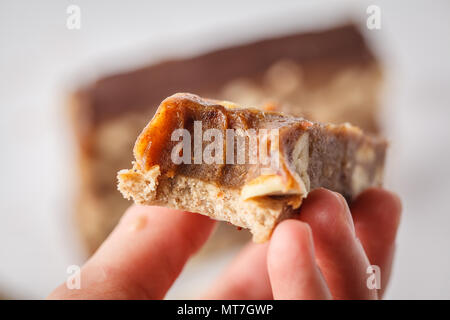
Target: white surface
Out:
[39,56]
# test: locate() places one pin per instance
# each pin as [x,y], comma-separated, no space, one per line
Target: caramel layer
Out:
[338,156]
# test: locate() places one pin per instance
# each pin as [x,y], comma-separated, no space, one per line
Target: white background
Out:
[40,60]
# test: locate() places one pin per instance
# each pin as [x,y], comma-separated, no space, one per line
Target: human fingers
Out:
[339,254]
[293,271]
[143,255]
[246,278]
[376,215]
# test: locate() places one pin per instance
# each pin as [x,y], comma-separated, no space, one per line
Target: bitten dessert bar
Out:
[176,166]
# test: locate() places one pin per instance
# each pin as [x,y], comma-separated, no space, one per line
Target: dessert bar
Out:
[246,166]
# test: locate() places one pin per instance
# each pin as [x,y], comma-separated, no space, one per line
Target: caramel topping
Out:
[181,111]
[329,148]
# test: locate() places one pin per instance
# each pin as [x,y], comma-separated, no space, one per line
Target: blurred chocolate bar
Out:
[326,76]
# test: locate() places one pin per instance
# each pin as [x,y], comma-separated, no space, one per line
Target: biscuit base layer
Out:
[195,195]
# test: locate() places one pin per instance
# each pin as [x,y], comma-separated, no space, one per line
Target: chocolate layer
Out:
[142,88]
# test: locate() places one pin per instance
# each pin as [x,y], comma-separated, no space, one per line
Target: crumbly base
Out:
[195,195]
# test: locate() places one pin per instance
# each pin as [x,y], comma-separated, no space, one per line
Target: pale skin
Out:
[322,254]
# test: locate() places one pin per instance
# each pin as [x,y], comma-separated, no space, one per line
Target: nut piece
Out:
[270,185]
[275,185]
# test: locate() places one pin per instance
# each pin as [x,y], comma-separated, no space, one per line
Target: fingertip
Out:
[289,230]
[376,204]
[379,195]
[290,237]
[377,214]
[339,255]
[292,267]
[325,210]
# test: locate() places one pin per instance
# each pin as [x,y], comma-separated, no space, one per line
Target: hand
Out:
[323,254]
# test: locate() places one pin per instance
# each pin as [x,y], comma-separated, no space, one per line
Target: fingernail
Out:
[347,214]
